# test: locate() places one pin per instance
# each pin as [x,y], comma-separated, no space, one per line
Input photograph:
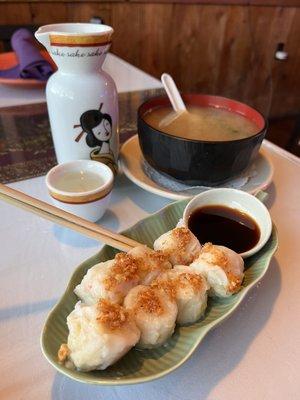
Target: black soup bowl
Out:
[199,162]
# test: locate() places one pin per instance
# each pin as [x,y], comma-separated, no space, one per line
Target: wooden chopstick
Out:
[64,218]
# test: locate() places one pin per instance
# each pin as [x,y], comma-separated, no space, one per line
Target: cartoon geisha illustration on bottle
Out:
[98,129]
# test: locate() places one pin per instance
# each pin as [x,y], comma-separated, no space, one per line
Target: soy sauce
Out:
[224,226]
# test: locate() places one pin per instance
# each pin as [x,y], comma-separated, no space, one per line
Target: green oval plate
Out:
[141,366]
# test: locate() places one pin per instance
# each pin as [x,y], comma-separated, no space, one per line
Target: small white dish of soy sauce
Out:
[231,218]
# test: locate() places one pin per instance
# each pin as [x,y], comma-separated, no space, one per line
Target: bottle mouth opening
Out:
[75,29]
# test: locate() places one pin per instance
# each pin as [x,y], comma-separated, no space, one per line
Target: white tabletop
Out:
[255,354]
[126,76]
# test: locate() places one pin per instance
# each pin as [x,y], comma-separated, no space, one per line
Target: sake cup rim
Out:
[97,167]
[264,224]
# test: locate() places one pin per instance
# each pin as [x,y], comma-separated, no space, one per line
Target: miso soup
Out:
[201,123]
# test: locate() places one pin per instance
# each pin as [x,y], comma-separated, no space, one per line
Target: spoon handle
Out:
[173,93]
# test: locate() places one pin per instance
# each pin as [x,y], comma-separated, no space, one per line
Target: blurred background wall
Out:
[224,47]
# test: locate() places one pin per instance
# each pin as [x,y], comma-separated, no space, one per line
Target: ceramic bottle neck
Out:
[77,59]
[76,47]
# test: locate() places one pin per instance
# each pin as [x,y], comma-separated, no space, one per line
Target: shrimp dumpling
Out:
[189,290]
[180,245]
[99,335]
[109,280]
[150,263]
[222,267]
[154,312]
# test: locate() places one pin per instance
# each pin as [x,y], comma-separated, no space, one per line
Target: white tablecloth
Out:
[254,355]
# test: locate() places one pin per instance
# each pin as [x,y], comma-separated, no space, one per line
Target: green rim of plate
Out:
[141,366]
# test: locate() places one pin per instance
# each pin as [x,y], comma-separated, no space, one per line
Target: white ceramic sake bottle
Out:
[81,98]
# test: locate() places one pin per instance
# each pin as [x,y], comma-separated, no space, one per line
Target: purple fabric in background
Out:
[32,64]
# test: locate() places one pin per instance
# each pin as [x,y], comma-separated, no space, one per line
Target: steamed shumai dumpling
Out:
[154,313]
[109,280]
[99,335]
[189,291]
[222,267]
[180,245]
[150,263]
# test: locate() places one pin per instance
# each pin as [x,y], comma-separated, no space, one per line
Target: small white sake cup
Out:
[90,204]
[239,200]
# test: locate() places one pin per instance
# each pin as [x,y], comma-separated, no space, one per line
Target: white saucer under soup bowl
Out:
[257,177]
[89,198]
[238,200]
